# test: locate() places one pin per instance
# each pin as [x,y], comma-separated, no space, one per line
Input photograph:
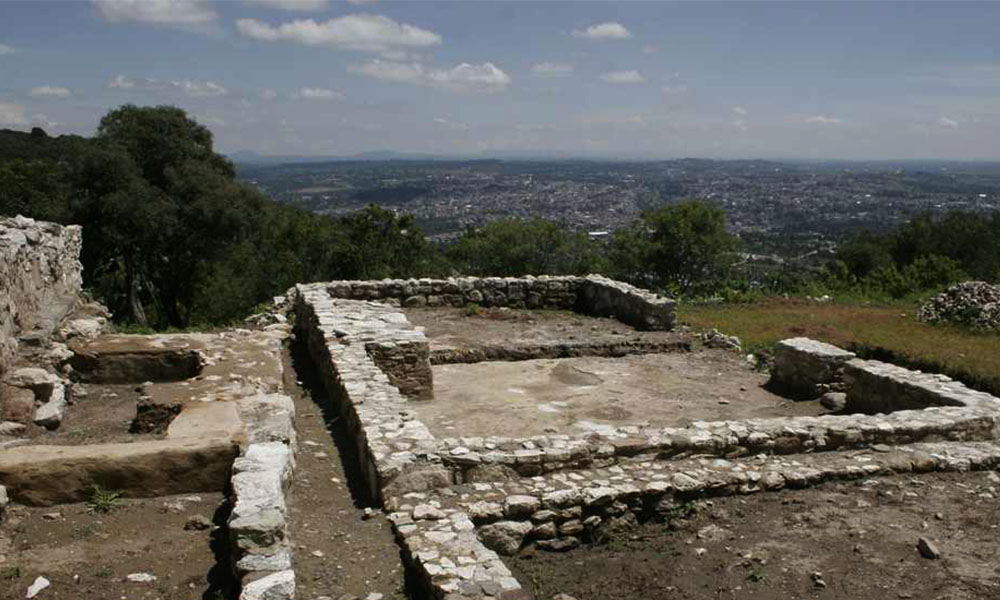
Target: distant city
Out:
[779,209]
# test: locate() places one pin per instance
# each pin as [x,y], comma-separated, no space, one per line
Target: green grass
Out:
[886,332]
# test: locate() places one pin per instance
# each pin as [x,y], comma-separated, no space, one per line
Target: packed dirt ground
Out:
[448,327]
[86,553]
[339,547]
[852,541]
[583,394]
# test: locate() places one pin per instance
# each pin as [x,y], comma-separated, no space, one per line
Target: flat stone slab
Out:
[46,475]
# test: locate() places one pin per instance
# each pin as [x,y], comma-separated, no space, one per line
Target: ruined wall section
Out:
[40,279]
[592,295]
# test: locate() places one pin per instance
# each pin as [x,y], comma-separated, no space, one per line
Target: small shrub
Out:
[104,572]
[102,500]
[11,572]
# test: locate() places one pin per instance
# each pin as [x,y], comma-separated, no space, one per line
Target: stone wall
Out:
[878,387]
[41,277]
[558,512]
[603,297]
[805,368]
[592,295]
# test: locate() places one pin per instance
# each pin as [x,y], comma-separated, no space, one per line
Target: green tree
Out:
[512,247]
[681,246]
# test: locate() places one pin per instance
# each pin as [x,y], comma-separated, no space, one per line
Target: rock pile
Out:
[973,303]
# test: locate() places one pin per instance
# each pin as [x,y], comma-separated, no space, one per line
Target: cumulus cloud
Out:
[12,115]
[5,49]
[463,77]
[308,93]
[361,32]
[947,123]
[740,111]
[173,13]
[549,69]
[823,120]
[186,87]
[603,31]
[49,91]
[292,5]
[623,77]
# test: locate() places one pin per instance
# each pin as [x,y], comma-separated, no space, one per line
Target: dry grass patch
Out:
[883,332]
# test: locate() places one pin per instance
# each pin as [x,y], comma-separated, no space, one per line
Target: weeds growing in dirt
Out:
[11,572]
[102,500]
[103,572]
[756,574]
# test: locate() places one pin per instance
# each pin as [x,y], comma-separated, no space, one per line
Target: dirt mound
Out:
[972,303]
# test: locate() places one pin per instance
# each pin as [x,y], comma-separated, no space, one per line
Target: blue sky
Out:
[624,79]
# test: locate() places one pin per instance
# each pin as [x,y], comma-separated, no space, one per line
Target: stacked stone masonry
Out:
[41,277]
[559,511]
[806,368]
[878,387]
[592,295]
[456,502]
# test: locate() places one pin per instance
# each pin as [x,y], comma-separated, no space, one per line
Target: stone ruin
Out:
[458,502]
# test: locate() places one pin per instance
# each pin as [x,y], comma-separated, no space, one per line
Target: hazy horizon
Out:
[889,81]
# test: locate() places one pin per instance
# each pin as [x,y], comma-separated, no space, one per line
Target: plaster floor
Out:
[578,395]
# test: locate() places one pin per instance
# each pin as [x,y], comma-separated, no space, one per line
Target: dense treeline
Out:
[927,253]
[172,239]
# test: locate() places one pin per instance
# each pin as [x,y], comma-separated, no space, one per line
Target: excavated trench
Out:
[343,542]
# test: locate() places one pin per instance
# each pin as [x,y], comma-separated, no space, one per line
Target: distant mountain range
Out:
[251,157]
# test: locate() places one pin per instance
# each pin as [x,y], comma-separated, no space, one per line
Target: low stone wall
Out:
[603,297]
[592,295]
[477,459]
[41,277]
[878,387]
[805,368]
[443,356]
[513,292]
[395,448]
[560,511]
[261,476]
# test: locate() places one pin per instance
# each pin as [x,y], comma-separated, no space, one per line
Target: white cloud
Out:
[675,90]
[822,120]
[292,5]
[623,77]
[947,123]
[308,93]
[175,13]
[360,2]
[603,31]
[49,91]
[194,89]
[740,111]
[362,32]
[464,77]
[548,69]
[740,124]
[450,124]
[12,115]
[268,94]
[5,49]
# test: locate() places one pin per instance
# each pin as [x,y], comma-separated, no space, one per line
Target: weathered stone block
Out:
[805,368]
